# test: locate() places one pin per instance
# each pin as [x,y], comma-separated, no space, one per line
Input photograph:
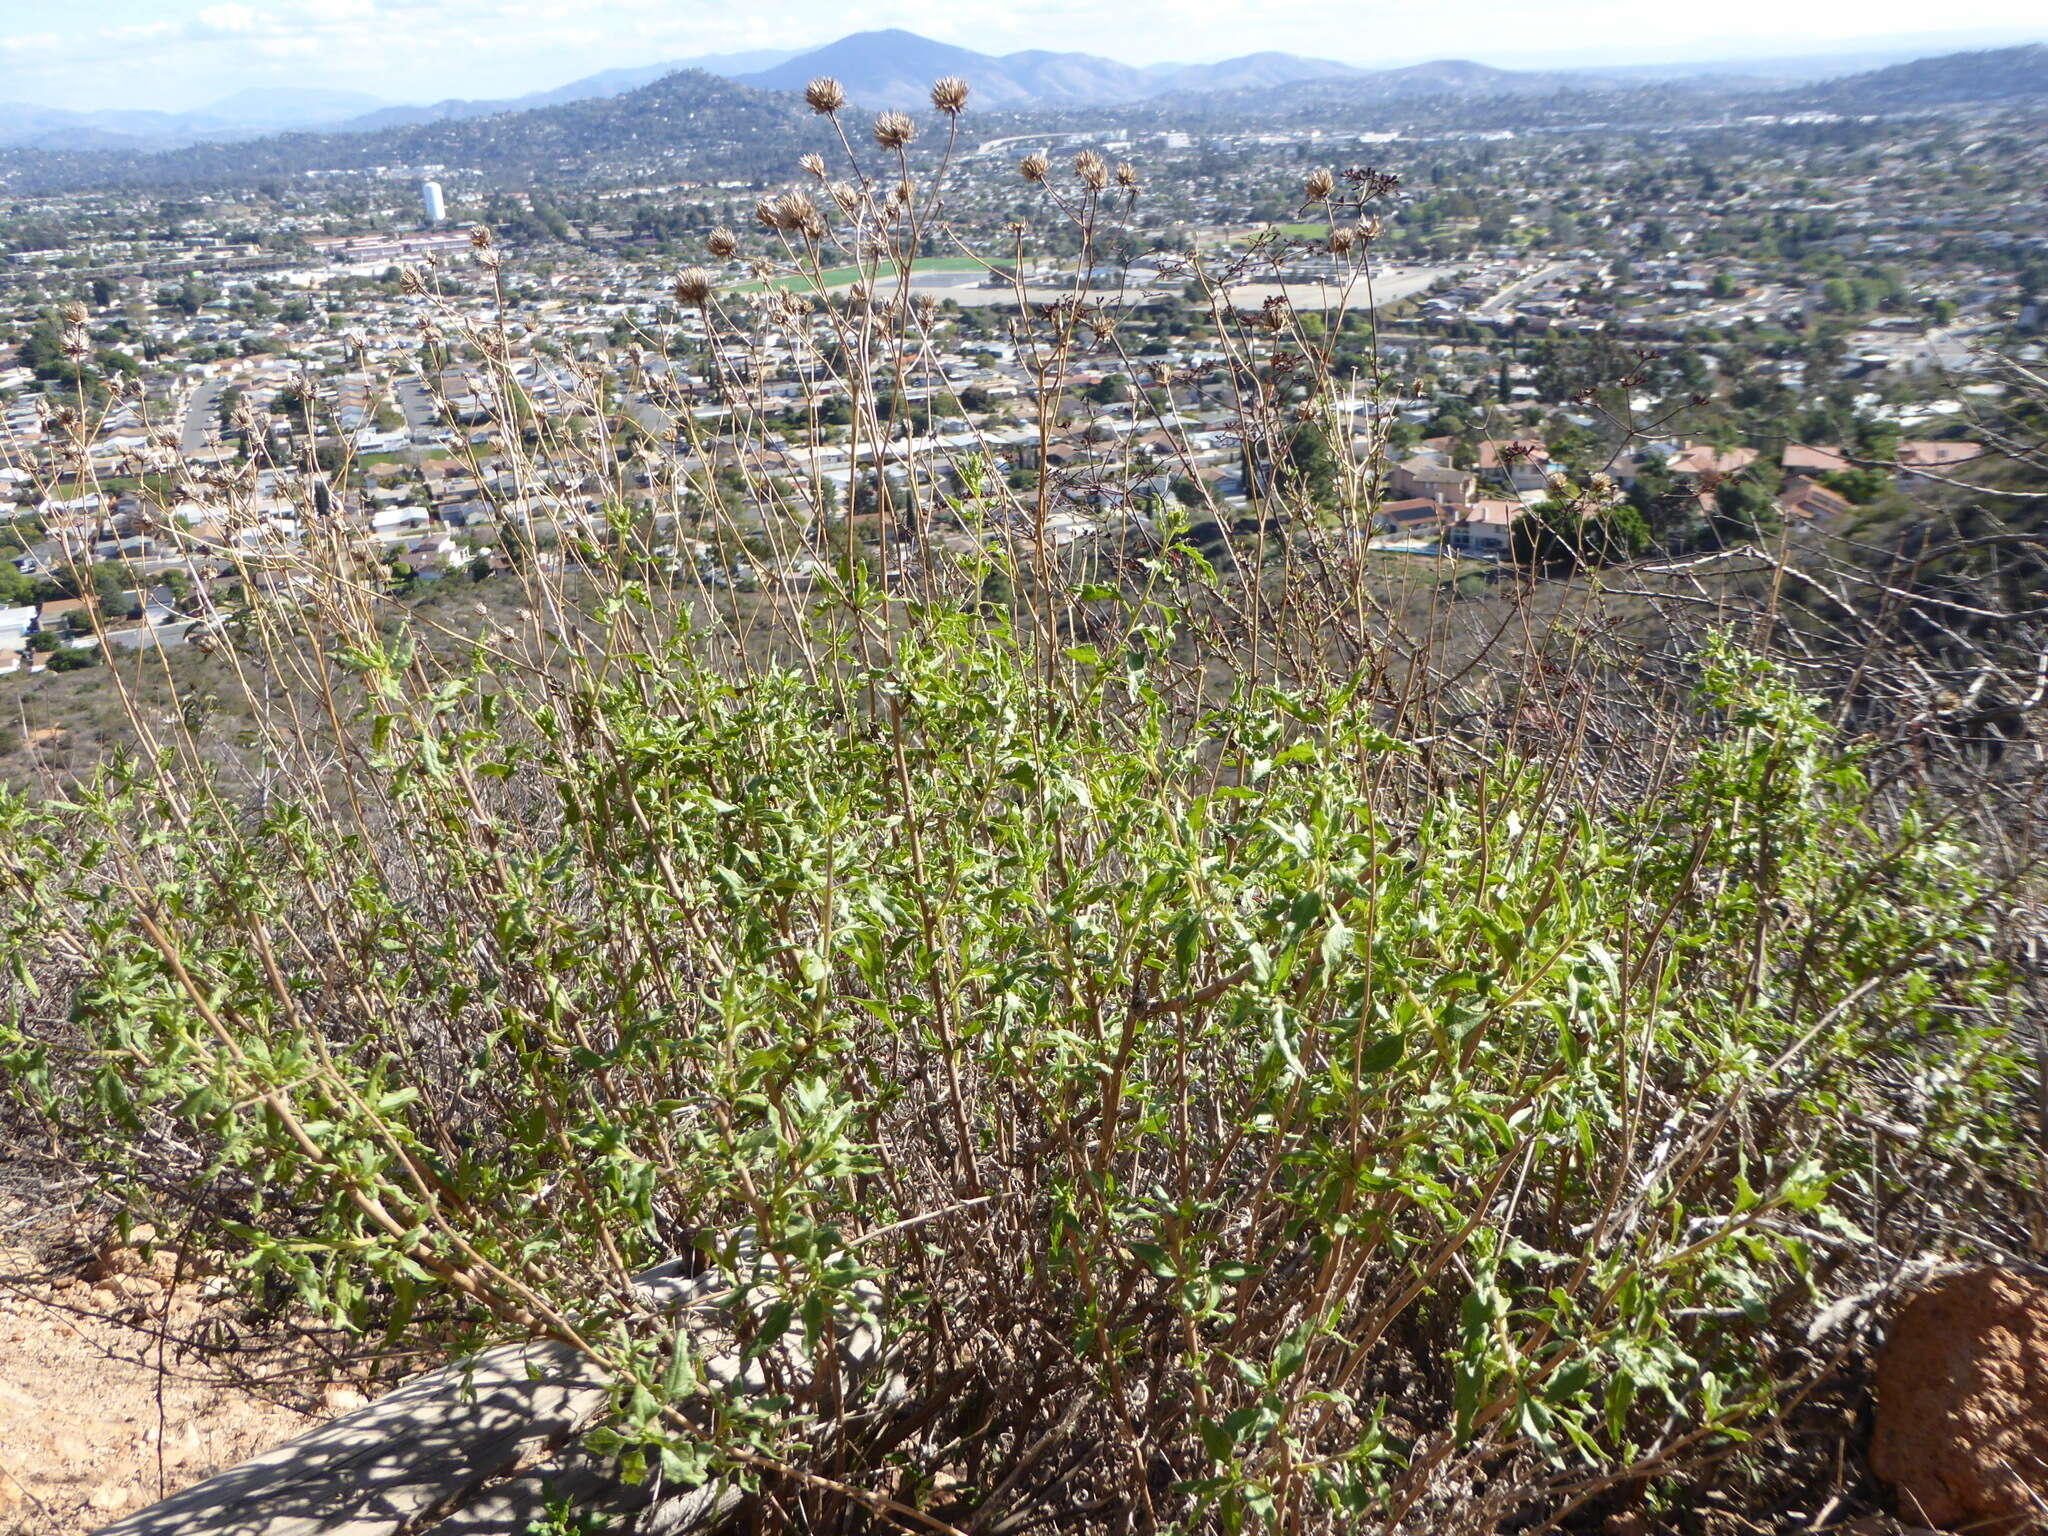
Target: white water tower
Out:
[430,197]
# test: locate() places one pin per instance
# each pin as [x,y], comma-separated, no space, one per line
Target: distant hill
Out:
[242,115]
[702,124]
[609,82]
[757,125]
[894,68]
[1956,79]
[1254,71]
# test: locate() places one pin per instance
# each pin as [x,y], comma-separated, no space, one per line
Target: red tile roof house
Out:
[1918,460]
[1415,516]
[1523,462]
[1809,498]
[1484,528]
[1812,459]
[1424,477]
[1705,459]
[1934,458]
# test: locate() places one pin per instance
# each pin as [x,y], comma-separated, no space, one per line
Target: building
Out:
[1522,463]
[430,198]
[1429,478]
[1485,529]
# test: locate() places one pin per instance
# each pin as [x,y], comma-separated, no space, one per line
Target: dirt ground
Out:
[100,1413]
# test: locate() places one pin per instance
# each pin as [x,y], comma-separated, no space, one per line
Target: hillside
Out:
[2000,74]
[608,82]
[698,120]
[895,68]
[246,114]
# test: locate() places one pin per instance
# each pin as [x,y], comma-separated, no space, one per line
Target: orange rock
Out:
[1962,1405]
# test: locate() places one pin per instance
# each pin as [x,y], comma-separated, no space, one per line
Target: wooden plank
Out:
[397,1463]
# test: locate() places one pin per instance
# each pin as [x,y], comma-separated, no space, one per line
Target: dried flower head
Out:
[693,287]
[1127,175]
[722,244]
[894,130]
[949,95]
[76,344]
[1369,229]
[1341,240]
[825,96]
[1319,186]
[1034,166]
[812,165]
[479,238]
[845,196]
[1091,170]
[73,313]
[410,281]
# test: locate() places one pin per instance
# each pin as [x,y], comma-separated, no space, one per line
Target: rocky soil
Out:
[102,1409]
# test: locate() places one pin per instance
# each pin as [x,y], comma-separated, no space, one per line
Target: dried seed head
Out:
[693,287]
[799,213]
[74,313]
[76,344]
[1558,482]
[410,281]
[722,244]
[845,195]
[812,165]
[1319,186]
[1369,229]
[1033,167]
[1091,169]
[765,214]
[825,96]
[1341,240]
[480,238]
[1127,175]
[893,130]
[949,95]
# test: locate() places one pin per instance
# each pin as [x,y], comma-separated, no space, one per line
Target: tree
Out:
[1312,465]
[1571,532]
[1743,511]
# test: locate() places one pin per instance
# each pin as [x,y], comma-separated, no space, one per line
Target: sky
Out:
[181,54]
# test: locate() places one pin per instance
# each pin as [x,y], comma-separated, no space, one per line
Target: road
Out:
[201,421]
[1518,287]
[421,413]
[1387,288]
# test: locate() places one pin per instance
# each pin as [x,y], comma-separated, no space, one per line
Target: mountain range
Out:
[895,68]
[698,123]
[246,114]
